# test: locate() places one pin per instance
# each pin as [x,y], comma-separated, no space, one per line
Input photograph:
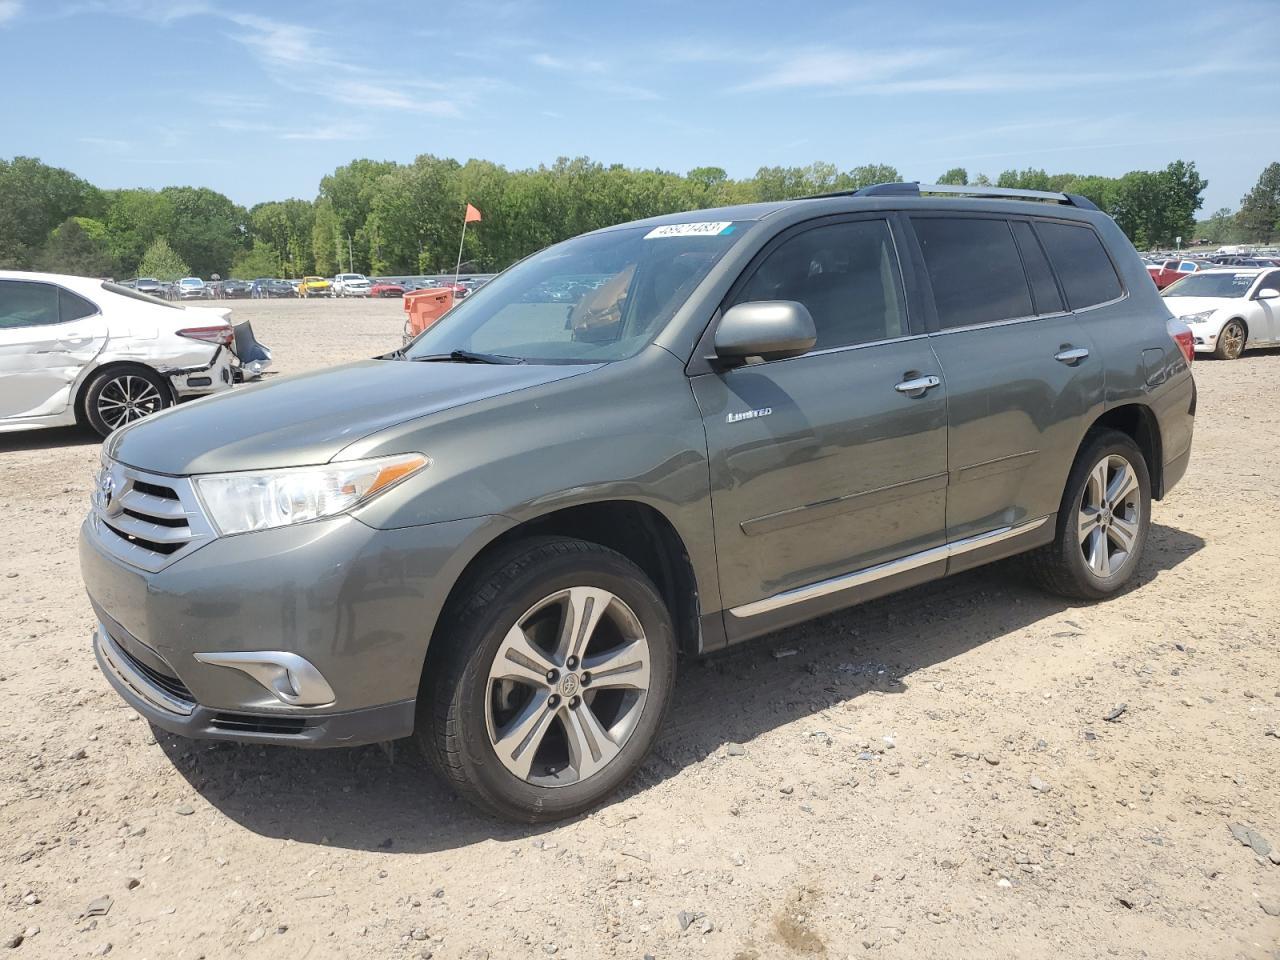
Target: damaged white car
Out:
[80,350]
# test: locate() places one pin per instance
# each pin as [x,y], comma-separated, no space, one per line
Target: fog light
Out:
[289,678]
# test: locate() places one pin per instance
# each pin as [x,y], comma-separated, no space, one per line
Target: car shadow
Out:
[48,439]
[384,798]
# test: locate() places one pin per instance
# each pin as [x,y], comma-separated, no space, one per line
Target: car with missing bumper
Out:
[1229,309]
[80,350]
[501,538]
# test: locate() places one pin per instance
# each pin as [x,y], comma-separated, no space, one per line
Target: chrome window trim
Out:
[880,571]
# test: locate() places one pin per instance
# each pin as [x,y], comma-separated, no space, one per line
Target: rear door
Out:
[1022,374]
[825,464]
[47,336]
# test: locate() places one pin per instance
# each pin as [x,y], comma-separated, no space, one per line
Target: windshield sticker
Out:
[706,229]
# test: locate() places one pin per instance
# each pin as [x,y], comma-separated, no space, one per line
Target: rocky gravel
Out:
[971,768]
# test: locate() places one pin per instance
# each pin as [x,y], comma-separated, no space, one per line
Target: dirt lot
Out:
[929,775]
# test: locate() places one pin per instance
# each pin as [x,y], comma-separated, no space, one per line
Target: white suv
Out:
[75,349]
[350,285]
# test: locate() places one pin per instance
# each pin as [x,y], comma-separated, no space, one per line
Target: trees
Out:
[261,261]
[162,262]
[34,199]
[286,226]
[956,177]
[1259,216]
[78,247]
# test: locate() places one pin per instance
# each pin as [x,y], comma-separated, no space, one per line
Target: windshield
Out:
[598,297]
[1230,285]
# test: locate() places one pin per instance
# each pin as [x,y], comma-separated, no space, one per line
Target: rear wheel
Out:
[1230,341]
[559,671]
[117,397]
[1102,522]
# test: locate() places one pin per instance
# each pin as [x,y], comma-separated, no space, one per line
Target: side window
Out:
[1081,262]
[1187,267]
[1044,291]
[846,274]
[975,270]
[24,303]
[72,306]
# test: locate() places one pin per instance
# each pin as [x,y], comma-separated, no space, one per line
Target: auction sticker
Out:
[705,229]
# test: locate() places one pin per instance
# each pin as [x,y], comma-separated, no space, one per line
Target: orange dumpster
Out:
[425,307]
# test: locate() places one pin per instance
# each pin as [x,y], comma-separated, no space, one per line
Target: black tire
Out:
[142,390]
[458,696]
[1061,566]
[1231,341]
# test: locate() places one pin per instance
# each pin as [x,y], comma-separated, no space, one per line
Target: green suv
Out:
[654,440]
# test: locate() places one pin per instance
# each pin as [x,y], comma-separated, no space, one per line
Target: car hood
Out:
[1185,306]
[310,418]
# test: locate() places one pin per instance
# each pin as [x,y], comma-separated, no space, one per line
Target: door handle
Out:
[918,386]
[1071,355]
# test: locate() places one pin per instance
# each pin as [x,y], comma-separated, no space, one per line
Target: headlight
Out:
[259,500]
[1200,317]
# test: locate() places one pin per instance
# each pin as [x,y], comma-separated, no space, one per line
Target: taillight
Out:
[1184,338]
[220,334]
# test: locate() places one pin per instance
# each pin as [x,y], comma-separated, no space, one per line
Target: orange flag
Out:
[473,215]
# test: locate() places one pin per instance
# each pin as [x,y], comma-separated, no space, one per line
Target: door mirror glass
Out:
[768,329]
[1269,293]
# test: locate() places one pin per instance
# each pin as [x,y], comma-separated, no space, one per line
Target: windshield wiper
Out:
[468,356]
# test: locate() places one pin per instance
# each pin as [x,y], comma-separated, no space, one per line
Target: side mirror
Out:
[1268,293]
[768,329]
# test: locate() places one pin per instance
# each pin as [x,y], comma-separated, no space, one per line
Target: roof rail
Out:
[916,189]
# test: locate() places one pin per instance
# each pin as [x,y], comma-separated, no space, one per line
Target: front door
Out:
[835,461]
[47,336]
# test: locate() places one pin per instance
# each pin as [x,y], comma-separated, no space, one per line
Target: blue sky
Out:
[260,99]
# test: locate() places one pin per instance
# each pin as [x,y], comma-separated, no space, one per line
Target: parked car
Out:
[499,538]
[349,285]
[1165,272]
[151,286]
[266,288]
[79,350]
[1229,310]
[192,288]
[236,289]
[313,287]
[386,288]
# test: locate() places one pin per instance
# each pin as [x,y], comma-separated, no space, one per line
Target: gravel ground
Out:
[932,774]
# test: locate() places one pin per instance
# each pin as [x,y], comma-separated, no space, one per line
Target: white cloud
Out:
[9,9]
[833,69]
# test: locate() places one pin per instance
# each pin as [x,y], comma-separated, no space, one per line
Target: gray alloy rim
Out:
[1234,336]
[126,399]
[567,687]
[1110,516]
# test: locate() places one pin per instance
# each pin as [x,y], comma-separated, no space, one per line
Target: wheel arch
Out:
[91,373]
[637,530]
[1138,422]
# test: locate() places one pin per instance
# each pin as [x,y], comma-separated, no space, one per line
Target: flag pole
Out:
[458,266]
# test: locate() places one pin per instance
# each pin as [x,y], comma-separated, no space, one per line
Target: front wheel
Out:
[118,397]
[560,666]
[1102,522]
[1230,341]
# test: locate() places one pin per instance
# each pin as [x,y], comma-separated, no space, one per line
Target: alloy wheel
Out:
[1233,340]
[1110,516]
[128,398]
[567,687]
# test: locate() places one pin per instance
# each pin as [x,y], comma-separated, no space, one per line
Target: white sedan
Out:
[78,350]
[1228,309]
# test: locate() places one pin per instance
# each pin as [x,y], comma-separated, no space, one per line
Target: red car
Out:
[385,288]
[1167,271]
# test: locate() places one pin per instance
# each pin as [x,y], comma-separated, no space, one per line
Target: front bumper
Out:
[358,603]
[152,696]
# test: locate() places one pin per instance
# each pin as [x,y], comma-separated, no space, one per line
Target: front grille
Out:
[247,723]
[169,684]
[145,519]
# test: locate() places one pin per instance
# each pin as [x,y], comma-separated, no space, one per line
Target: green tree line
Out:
[384,217]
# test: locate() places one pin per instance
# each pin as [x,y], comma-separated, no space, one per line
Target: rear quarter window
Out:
[974,269]
[1084,269]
